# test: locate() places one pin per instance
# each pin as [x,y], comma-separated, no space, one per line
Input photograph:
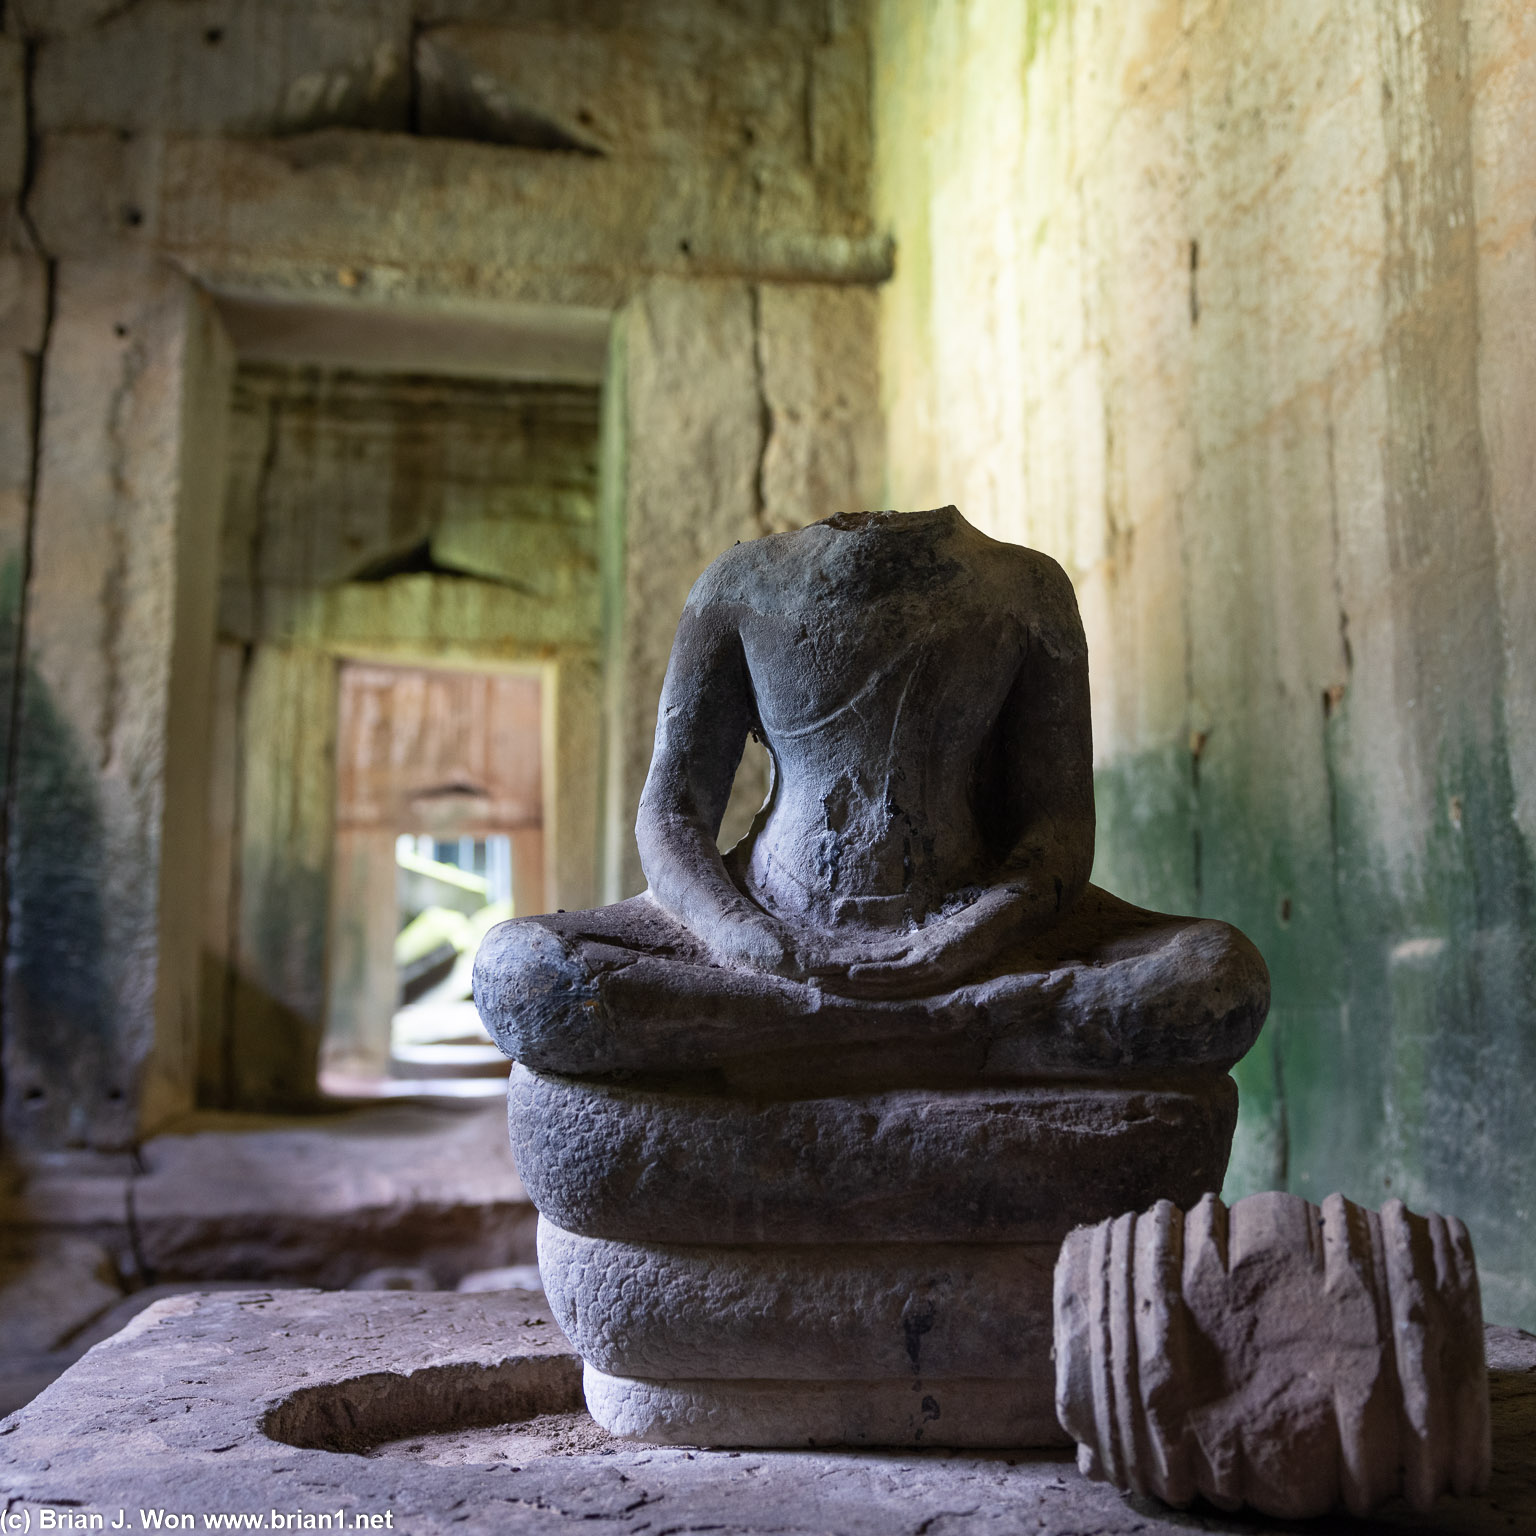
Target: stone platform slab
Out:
[390,1406]
[297,1200]
[247,1200]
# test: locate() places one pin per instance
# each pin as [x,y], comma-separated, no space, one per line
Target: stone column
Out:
[23,312]
[362,981]
[109,828]
[276,1013]
[692,442]
[734,411]
[528,866]
[571,731]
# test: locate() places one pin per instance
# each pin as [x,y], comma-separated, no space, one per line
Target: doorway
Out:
[439,835]
[409,629]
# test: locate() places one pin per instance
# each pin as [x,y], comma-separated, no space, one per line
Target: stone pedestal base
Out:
[864,1269]
[843,1344]
[844,1311]
[1004,1164]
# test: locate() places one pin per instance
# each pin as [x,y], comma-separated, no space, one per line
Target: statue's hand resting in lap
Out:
[940,953]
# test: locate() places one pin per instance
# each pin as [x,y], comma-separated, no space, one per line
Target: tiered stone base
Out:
[861,1270]
[843,1344]
[900,1310]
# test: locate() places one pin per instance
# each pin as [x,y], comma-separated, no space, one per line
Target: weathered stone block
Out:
[571,834]
[51,1285]
[319,1203]
[181,1407]
[17,385]
[841,119]
[692,435]
[715,89]
[275,992]
[850,1312]
[215,66]
[404,617]
[57,18]
[398,217]
[903,1411]
[1275,1355]
[339,475]
[23,301]
[820,383]
[13,117]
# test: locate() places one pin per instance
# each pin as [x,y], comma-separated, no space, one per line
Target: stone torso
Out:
[881,650]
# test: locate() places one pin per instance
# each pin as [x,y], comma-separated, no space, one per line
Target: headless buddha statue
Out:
[912,902]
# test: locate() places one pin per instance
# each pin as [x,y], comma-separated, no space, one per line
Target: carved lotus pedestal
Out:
[865,1269]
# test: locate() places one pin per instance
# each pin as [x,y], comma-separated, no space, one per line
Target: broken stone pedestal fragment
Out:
[804,1121]
[1277,1355]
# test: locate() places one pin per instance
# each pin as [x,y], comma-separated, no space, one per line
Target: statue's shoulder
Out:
[1047,579]
[751,571]
[1031,573]
[1041,595]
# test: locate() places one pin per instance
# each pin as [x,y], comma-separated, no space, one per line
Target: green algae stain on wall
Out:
[1152,849]
[59,1046]
[1399,1049]
[1040,21]
[1146,812]
[1443,985]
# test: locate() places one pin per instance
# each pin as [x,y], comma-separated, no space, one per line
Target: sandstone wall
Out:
[1227,306]
[396,186]
[745,410]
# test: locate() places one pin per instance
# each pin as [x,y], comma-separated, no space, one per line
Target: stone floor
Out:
[462,1413]
[87,1240]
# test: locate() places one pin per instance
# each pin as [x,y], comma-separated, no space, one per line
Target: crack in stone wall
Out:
[699,144]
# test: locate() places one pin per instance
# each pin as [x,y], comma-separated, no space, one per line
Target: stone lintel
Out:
[344,213]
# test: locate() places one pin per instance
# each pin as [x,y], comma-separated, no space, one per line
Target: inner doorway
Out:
[439,835]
